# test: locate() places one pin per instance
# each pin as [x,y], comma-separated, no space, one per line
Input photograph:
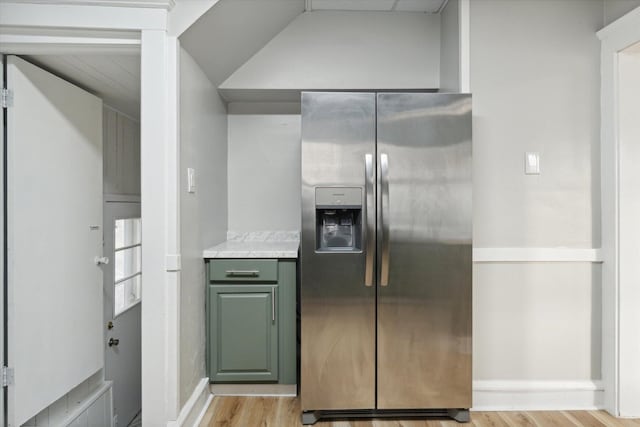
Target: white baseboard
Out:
[537,395]
[288,390]
[193,411]
[487,396]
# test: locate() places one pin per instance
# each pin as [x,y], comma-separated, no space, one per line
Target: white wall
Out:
[614,9]
[535,79]
[450,47]
[536,321]
[264,168]
[203,214]
[347,50]
[121,147]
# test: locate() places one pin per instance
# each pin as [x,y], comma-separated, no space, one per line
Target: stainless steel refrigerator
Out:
[385,287]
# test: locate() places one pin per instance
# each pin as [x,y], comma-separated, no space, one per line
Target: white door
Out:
[122,305]
[54,190]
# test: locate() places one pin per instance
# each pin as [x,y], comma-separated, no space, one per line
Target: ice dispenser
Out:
[338,219]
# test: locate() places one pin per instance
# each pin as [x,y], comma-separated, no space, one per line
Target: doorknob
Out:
[113,342]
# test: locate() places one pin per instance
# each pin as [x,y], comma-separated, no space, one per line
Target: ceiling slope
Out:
[327,50]
[232,31]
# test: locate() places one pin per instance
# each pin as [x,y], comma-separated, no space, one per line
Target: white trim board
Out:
[486,255]
[74,16]
[283,390]
[160,209]
[60,41]
[26,44]
[192,412]
[537,395]
[162,4]
[489,395]
[203,412]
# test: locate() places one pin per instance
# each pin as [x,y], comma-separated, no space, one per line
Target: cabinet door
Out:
[244,333]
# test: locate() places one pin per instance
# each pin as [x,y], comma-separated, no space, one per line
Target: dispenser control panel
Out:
[339,196]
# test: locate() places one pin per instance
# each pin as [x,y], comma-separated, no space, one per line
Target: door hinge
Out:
[7,376]
[6,98]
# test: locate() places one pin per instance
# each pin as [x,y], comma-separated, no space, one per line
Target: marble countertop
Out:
[261,244]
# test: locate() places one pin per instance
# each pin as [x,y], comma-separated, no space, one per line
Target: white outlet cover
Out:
[532,163]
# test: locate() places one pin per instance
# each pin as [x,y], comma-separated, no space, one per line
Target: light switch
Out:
[191,180]
[532,163]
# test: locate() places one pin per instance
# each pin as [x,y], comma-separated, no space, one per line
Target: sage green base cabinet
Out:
[244,328]
[251,321]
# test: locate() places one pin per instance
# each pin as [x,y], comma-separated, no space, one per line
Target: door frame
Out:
[4,414]
[614,39]
[146,28]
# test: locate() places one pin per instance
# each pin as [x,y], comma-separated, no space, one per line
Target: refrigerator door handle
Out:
[369,232]
[384,216]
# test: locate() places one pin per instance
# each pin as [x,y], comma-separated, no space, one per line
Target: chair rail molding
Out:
[499,255]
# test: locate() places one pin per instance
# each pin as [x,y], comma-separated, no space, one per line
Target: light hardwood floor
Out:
[285,412]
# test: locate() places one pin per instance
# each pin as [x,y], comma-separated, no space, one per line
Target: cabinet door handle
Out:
[273,303]
[249,273]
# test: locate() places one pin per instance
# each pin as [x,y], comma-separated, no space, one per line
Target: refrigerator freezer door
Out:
[424,248]
[337,308]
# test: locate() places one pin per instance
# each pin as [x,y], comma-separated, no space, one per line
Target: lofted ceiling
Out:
[115,78]
[427,6]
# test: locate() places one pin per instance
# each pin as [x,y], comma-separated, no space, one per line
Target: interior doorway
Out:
[113,80]
[122,307]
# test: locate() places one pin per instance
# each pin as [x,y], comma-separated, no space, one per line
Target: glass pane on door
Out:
[127,264]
